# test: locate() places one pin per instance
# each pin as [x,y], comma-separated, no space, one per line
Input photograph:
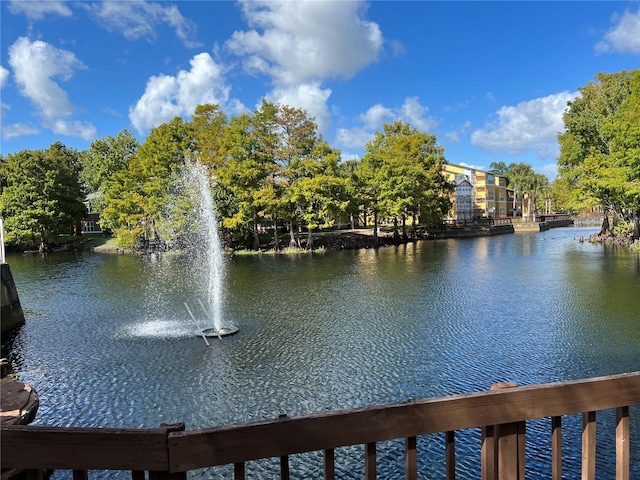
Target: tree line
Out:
[272,167]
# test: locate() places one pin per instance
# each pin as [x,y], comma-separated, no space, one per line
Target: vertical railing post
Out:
[622,443]
[556,448]
[450,455]
[589,446]
[329,464]
[509,444]
[411,458]
[370,469]
[169,428]
[238,471]
[489,454]
[284,467]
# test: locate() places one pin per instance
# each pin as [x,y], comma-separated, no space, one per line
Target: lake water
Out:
[108,341]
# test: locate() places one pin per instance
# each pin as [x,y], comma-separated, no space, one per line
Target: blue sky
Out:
[489,79]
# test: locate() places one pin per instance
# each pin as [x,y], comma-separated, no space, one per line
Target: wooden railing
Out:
[168,452]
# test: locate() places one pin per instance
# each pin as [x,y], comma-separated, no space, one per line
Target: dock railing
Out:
[169,452]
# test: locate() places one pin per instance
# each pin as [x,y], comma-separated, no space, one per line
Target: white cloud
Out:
[73,128]
[310,97]
[624,36]
[4,75]
[35,10]
[354,138]
[416,115]
[167,96]
[301,42]
[35,65]
[376,116]
[17,130]
[411,112]
[531,125]
[140,19]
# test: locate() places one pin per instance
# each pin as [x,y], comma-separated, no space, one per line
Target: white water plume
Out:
[210,265]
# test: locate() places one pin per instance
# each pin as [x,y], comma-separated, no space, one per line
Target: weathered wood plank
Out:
[508,452]
[589,446]
[522,445]
[488,454]
[556,448]
[284,467]
[450,455]
[224,445]
[80,475]
[35,447]
[370,468]
[622,443]
[329,464]
[238,471]
[411,458]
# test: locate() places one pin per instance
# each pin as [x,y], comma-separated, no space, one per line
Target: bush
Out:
[623,229]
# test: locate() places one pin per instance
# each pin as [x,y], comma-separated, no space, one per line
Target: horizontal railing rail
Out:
[501,413]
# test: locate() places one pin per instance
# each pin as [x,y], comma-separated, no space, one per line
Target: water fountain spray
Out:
[210,247]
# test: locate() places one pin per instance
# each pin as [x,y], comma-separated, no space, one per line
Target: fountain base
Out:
[215,333]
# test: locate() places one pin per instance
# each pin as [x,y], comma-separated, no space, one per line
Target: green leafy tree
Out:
[41,194]
[241,181]
[528,184]
[285,137]
[348,170]
[139,201]
[320,193]
[401,174]
[209,124]
[600,148]
[498,168]
[105,157]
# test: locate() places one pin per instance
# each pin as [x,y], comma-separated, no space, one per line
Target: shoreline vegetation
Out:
[332,240]
[323,241]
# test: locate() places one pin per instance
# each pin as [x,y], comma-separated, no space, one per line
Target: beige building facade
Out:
[479,194]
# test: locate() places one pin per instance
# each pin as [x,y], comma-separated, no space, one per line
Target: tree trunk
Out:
[309,239]
[375,228]
[414,228]
[44,247]
[404,229]
[256,236]
[298,236]
[635,235]
[396,235]
[605,229]
[352,221]
[276,242]
[292,237]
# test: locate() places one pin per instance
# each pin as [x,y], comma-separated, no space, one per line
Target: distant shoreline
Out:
[333,240]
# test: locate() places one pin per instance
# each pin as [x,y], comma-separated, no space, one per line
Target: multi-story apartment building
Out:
[478,193]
